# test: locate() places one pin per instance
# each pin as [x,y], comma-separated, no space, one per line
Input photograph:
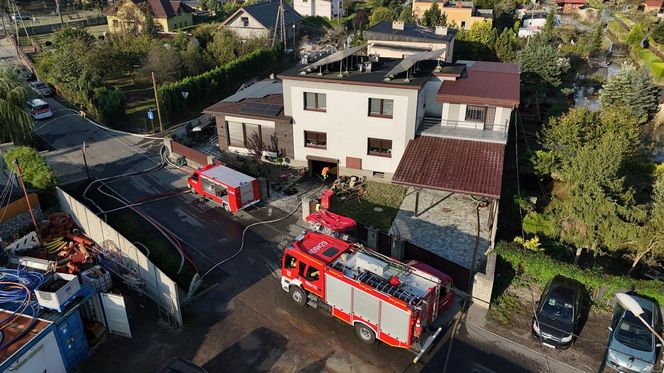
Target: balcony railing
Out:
[463,129]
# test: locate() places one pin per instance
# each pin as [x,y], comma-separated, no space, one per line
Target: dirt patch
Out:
[511,317]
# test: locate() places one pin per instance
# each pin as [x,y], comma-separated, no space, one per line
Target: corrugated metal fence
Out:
[156,285]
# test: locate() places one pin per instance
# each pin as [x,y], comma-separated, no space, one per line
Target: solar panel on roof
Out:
[411,60]
[334,57]
[259,108]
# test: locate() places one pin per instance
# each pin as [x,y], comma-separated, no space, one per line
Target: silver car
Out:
[632,347]
[41,88]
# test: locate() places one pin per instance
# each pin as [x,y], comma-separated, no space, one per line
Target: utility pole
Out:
[156,98]
[85,161]
[17,40]
[27,200]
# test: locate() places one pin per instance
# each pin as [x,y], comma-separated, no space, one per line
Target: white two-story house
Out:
[357,114]
[319,8]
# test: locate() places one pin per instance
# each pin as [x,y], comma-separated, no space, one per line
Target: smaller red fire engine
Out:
[225,186]
[397,303]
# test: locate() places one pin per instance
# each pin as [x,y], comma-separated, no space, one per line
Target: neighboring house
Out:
[357,115]
[463,14]
[533,21]
[398,39]
[168,16]
[571,6]
[257,109]
[319,8]
[653,6]
[258,20]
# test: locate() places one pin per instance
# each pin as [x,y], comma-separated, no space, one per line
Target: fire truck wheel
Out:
[298,295]
[365,333]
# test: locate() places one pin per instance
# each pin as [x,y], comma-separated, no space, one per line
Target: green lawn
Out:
[387,197]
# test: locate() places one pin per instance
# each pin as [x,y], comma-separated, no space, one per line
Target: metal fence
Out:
[156,285]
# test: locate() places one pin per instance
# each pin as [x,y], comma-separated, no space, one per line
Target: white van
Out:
[39,109]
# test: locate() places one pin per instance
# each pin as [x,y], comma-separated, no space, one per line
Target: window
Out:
[235,133]
[194,178]
[379,107]
[330,252]
[463,24]
[315,101]
[380,147]
[313,273]
[245,21]
[116,23]
[475,113]
[289,261]
[315,139]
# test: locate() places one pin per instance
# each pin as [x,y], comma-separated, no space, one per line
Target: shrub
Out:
[36,173]
[541,268]
[110,104]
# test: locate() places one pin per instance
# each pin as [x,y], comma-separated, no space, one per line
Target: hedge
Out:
[215,83]
[601,286]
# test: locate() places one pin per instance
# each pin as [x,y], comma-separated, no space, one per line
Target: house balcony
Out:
[464,130]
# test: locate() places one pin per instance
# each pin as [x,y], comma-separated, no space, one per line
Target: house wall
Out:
[457,113]
[390,53]
[254,29]
[454,14]
[177,22]
[347,124]
[432,108]
[128,16]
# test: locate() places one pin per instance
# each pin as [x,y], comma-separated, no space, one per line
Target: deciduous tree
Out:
[381,14]
[16,122]
[434,16]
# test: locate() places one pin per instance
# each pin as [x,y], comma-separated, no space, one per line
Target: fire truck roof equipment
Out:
[226,175]
[321,246]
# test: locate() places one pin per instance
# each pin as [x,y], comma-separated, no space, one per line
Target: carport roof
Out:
[463,166]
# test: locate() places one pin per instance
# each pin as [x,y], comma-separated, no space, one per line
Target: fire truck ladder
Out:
[385,287]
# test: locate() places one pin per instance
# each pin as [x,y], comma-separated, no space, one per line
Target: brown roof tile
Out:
[485,83]
[463,166]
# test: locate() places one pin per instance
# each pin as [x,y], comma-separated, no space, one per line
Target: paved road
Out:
[7,51]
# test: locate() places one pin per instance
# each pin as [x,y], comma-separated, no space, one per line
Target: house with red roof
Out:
[652,5]
[168,16]
[571,6]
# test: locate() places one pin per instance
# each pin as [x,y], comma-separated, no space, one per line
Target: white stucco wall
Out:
[347,123]
[321,8]
[457,112]
[378,47]
[432,108]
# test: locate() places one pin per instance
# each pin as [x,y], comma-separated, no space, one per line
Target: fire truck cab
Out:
[385,299]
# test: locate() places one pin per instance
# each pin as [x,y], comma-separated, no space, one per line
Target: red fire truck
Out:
[225,186]
[385,299]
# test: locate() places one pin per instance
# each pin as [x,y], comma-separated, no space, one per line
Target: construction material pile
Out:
[63,243]
[349,188]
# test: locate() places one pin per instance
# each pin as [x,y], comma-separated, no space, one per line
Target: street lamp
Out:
[631,305]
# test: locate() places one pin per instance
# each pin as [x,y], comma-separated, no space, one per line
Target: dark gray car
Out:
[632,347]
[41,88]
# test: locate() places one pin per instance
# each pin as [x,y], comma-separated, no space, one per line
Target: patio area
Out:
[446,224]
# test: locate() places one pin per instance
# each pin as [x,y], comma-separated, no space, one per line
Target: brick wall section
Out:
[222,131]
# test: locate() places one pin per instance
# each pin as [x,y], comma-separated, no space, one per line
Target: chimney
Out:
[441,30]
[459,4]
[397,25]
